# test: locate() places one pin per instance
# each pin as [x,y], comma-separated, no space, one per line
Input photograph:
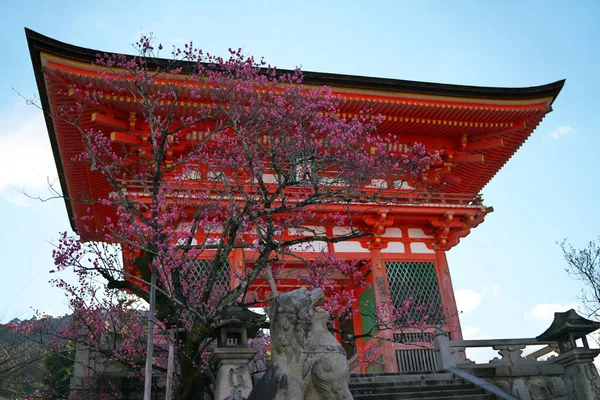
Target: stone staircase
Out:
[422,385]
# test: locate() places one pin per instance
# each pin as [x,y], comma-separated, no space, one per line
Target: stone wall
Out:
[534,381]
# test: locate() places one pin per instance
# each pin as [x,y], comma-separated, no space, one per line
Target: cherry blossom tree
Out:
[223,155]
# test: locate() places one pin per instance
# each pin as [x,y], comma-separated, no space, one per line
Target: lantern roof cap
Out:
[568,322]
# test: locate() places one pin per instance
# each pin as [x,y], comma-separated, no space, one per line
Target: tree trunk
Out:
[192,383]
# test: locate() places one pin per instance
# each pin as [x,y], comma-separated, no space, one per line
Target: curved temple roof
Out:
[479,128]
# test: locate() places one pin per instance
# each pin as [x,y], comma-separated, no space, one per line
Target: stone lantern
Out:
[581,376]
[232,355]
[567,328]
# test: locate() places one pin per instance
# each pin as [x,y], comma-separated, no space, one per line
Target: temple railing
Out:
[452,353]
[389,197]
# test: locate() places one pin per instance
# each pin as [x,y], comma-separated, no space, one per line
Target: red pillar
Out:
[447,294]
[237,267]
[358,330]
[381,291]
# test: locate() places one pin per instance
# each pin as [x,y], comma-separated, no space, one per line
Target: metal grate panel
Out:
[408,337]
[419,281]
[417,360]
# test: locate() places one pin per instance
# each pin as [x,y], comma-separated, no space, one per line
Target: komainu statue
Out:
[307,362]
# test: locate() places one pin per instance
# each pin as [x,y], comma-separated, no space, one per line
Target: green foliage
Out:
[58,368]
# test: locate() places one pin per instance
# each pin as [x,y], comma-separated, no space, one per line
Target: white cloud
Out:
[470,332]
[467,300]
[544,312]
[494,290]
[561,131]
[26,161]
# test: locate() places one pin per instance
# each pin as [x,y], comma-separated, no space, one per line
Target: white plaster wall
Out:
[378,184]
[394,247]
[420,247]
[269,178]
[310,247]
[417,233]
[344,230]
[319,230]
[393,233]
[350,247]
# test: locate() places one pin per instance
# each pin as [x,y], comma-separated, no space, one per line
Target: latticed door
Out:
[416,280]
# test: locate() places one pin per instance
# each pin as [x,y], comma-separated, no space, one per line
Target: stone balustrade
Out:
[533,376]
[452,353]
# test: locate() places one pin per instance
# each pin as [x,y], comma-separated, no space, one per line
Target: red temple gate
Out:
[478,129]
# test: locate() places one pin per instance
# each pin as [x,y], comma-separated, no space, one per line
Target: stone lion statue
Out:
[307,362]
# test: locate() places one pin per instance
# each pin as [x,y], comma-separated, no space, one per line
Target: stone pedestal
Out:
[581,376]
[233,374]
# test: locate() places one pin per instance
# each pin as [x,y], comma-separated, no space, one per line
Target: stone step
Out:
[395,377]
[461,394]
[392,389]
[404,383]
[360,374]
[435,385]
[467,397]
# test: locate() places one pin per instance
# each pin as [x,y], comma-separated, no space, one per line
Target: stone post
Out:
[446,359]
[233,373]
[581,375]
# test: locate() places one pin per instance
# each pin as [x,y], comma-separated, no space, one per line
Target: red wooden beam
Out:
[110,121]
[468,158]
[452,178]
[123,137]
[485,144]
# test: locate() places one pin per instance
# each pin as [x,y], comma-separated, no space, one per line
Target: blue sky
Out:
[508,274]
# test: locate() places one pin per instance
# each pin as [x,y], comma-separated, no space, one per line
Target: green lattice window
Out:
[367,312]
[419,281]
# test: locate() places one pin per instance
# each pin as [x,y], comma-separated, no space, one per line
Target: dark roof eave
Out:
[337,80]
[38,43]
[35,42]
